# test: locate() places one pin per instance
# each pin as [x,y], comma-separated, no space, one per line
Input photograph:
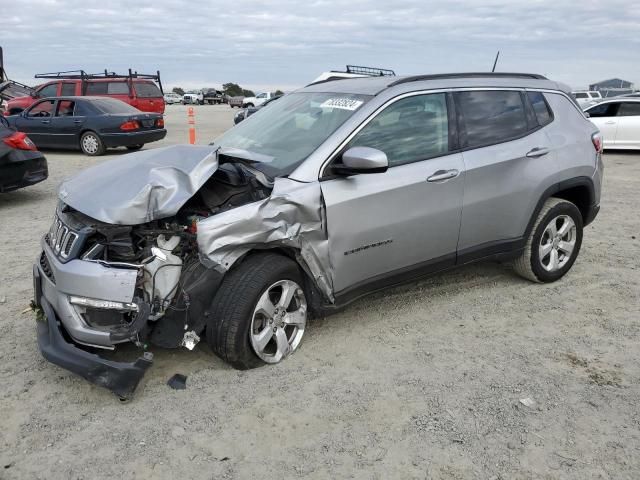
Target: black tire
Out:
[133,148]
[529,265]
[228,326]
[87,140]
[248,105]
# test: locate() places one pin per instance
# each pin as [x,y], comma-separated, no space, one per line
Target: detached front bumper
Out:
[119,377]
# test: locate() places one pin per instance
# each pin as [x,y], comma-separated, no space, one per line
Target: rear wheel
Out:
[260,312]
[135,147]
[554,242]
[91,144]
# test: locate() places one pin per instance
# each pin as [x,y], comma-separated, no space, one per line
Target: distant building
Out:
[613,87]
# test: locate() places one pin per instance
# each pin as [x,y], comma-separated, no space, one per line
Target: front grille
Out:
[61,239]
[46,268]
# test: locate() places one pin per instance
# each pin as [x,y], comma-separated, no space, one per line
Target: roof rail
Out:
[370,71]
[438,76]
[84,76]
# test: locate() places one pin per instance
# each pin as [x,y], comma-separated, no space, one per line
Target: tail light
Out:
[20,141]
[160,123]
[596,139]
[130,125]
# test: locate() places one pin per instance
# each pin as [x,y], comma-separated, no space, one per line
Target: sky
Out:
[286,44]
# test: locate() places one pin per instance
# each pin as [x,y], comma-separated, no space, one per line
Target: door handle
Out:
[537,152]
[610,122]
[77,121]
[441,175]
[45,121]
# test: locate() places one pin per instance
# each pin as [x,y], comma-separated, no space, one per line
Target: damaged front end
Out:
[139,246]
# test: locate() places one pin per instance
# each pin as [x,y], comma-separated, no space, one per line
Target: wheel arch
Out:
[316,299]
[579,190]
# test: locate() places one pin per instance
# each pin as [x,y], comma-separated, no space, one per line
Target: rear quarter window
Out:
[490,117]
[147,90]
[544,116]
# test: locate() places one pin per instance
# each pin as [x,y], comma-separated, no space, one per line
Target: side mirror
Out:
[362,160]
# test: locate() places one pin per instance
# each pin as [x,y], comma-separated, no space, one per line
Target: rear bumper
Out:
[119,377]
[22,173]
[129,139]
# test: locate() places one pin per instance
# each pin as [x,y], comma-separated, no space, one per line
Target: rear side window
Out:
[107,88]
[65,108]
[603,110]
[68,89]
[629,109]
[409,130]
[490,117]
[97,88]
[540,107]
[147,90]
[118,88]
[112,105]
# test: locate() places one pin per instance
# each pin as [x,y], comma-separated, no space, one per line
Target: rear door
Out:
[66,125]
[505,151]
[628,133]
[386,226]
[604,116]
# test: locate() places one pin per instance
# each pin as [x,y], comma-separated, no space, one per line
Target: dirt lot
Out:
[424,381]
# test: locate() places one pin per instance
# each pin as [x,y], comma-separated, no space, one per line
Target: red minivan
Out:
[138,91]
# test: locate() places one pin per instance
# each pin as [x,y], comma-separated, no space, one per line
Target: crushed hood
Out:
[140,187]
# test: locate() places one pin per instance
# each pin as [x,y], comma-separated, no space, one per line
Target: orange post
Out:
[192,125]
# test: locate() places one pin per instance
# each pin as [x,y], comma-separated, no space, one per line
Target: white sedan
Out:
[618,121]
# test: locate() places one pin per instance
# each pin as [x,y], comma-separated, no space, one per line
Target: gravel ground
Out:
[423,381]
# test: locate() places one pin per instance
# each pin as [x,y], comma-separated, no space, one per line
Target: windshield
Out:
[291,128]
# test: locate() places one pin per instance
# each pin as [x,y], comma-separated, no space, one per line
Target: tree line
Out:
[231,90]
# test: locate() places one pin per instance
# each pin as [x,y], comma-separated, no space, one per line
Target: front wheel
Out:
[259,313]
[91,144]
[553,244]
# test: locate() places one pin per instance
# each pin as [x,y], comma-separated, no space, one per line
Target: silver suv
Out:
[335,191]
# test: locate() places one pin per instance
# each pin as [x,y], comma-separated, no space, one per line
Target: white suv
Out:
[587,98]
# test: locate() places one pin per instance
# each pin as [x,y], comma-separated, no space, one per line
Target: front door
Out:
[386,227]
[36,122]
[604,117]
[628,134]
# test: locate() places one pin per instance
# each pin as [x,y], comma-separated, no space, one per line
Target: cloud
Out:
[284,43]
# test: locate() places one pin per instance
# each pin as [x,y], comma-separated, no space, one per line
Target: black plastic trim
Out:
[119,377]
[439,76]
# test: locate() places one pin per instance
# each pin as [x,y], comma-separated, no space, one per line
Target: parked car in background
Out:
[247,112]
[92,124]
[586,98]
[141,91]
[235,101]
[619,122]
[212,96]
[258,100]
[193,97]
[21,164]
[333,192]
[171,98]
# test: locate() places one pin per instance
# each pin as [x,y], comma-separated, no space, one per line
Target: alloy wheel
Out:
[90,144]
[557,243]
[278,321]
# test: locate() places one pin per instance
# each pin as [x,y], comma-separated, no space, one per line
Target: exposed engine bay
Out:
[169,305]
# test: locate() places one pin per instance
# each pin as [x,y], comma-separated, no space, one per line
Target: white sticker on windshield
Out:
[342,103]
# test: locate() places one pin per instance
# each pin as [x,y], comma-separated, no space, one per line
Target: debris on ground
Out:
[178,382]
[528,402]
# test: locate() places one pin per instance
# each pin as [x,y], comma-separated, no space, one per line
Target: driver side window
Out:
[42,109]
[409,130]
